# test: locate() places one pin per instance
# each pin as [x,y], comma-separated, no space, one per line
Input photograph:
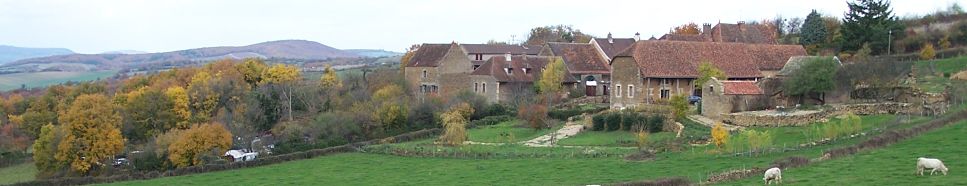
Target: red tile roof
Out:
[429,55]
[581,58]
[741,88]
[743,33]
[683,37]
[774,57]
[680,59]
[496,67]
[501,49]
[612,49]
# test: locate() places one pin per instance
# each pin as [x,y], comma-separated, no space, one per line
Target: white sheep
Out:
[932,164]
[773,174]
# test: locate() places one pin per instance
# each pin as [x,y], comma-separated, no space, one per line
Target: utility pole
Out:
[889,43]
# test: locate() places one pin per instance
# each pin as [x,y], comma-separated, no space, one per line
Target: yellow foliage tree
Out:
[200,140]
[642,138]
[687,29]
[390,108]
[455,124]
[92,127]
[329,78]
[181,108]
[928,53]
[720,136]
[45,149]
[203,98]
[407,56]
[282,75]
[552,77]
[706,72]
[252,70]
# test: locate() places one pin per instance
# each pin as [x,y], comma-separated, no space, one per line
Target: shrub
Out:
[655,123]
[534,114]
[454,124]
[720,135]
[598,122]
[613,121]
[758,140]
[490,120]
[641,137]
[679,106]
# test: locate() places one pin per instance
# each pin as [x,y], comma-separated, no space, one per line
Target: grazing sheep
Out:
[773,174]
[932,164]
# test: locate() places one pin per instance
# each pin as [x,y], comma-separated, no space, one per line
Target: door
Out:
[590,90]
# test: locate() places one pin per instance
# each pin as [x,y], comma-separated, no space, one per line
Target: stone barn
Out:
[723,97]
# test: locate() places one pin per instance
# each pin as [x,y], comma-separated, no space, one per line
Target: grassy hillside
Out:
[17,173]
[894,165]
[42,79]
[931,75]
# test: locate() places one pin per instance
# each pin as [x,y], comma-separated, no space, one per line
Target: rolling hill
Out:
[290,49]
[12,53]
[374,53]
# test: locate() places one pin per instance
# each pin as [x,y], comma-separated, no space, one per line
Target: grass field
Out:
[930,74]
[506,132]
[382,169]
[17,173]
[893,165]
[43,79]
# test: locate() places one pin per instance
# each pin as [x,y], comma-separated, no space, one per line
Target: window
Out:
[631,91]
[665,93]
[617,92]
[476,87]
[424,73]
[478,57]
[484,88]
[476,66]
[509,70]
[526,70]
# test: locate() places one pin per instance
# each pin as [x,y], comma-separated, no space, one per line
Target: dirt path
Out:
[550,139]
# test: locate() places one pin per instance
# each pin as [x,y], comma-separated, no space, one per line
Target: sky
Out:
[95,26]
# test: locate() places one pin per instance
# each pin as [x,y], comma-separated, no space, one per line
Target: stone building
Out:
[610,46]
[584,63]
[480,53]
[723,97]
[438,69]
[652,71]
[508,78]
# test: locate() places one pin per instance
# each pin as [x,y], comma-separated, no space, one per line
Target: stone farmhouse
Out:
[445,68]
[585,63]
[509,78]
[652,71]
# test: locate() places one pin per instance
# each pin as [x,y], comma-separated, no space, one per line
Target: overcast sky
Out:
[94,26]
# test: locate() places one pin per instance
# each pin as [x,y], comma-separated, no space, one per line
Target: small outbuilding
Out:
[724,97]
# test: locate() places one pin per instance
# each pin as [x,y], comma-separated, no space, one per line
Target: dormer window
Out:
[478,57]
[526,70]
[509,70]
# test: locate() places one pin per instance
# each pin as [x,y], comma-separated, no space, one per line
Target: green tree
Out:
[814,77]
[151,113]
[813,30]
[706,72]
[45,147]
[92,133]
[283,76]
[869,21]
[679,106]
[556,33]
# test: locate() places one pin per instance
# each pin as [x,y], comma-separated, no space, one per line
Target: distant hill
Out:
[373,53]
[289,49]
[125,52]
[12,53]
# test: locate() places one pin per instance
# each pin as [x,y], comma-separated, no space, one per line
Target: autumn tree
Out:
[390,107]
[535,115]
[687,29]
[203,98]
[641,138]
[552,77]
[92,133]
[720,136]
[180,106]
[201,140]
[455,124]
[252,70]
[329,78]
[928,53]
[42,111]
[706,71]
[407,56]
[283,76]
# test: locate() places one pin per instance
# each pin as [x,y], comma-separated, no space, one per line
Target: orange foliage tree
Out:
[92,133]
[198,141]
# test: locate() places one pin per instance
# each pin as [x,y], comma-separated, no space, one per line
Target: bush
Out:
[613,121]
[534,114]
[598,122]
[565,114]
[490,120]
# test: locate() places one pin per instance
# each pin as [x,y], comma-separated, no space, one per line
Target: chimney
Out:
[706,28]
[610,40]
[507,56]
[741,24]
[637,36]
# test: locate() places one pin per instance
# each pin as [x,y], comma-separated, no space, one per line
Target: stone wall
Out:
[802,118]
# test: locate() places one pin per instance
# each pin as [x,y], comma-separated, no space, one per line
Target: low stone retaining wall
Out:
[802,118]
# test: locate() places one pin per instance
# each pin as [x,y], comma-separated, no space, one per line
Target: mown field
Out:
[43,79]
[893,165]
[17,173]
